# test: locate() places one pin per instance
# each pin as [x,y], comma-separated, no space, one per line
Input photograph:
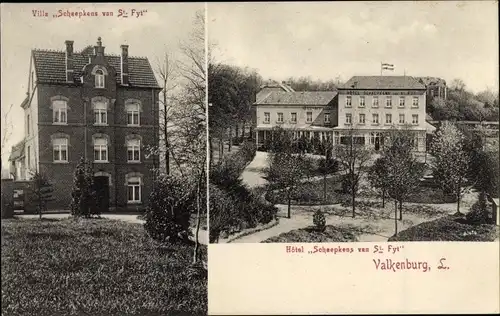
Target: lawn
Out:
[310,234]
[96,267]
[448,228]
[311,193]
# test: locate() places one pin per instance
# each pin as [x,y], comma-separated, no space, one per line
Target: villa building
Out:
[89,104]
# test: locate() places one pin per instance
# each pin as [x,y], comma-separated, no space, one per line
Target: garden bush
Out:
[319,221]
[169,210]
[222,213]
[479,212]
[83,196]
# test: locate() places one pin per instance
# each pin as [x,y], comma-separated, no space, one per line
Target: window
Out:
[293,118]
[59,111]
[388,119]
[101,150]
[414,119]
[388,102]
[361,119]
[348,101]
[99,79]
[133,116]
[60,149]
[362,101]
[375,101]
[134,150]
[267,117]
[401,118]
[401,102]
[280,117]
[134,189]
[309,117]
[28,124]
[415,102]
[101,113]
[327,118]
[348,118]
[375,119]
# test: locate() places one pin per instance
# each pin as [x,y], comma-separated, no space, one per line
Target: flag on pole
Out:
[387,66]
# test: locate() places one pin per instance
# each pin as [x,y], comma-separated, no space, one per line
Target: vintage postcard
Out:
[104,159]
[354,157]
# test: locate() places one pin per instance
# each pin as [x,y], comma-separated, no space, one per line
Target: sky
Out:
[151,34]
[324,40]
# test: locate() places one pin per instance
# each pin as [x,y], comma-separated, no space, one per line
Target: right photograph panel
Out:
[353,152]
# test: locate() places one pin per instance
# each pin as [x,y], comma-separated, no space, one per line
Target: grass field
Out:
[96,267]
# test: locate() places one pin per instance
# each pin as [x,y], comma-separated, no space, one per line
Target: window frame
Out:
[134,148]
[58,109]
[402,98]
[99,82]
[131,112]
[413,120]
[362,115]
[280,117]
[327,119]
[267,117]
[61,148]
[98,111]
[375,104]
[293,117]
[348,119]
[413,105]
[309,116]
[388,102]
[348,101]
[375,115]
[100,150]
[388,116]
[134,183]
[363,103]
[401,115]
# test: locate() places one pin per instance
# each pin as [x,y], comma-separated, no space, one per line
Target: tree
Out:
[287,166]
[167,73]
[354,156]
[6,129]
[403,171]
[42,192]
[222,212]
[327,166]
[377,175]
[83,195]
[451,161]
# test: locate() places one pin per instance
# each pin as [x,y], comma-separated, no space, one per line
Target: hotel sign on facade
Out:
[380,92]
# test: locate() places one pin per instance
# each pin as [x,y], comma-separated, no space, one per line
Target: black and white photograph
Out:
[353,122]
[104,166]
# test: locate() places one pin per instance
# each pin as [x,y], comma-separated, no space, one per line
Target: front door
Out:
[101,187]
[377,143]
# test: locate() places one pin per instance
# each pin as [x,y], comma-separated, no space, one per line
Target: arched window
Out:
[134,182]
[60,149]
[134,150]
[100,113]
[99,78]
[133,114]
[59,111]
[100,149]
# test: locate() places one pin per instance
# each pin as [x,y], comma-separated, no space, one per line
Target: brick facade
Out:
[81,93]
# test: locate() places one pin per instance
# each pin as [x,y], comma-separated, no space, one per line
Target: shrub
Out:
[479,213]
[319,221]
[222,213]
[83,197]
[168,213]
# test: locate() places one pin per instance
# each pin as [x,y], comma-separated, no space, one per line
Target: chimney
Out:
[124,65]
[69,61]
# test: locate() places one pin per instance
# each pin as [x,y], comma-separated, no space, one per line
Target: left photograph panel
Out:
[103,129]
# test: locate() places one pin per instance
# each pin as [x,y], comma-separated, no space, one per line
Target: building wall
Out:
[80,143]
[368,110]
[318,114]
[31,138]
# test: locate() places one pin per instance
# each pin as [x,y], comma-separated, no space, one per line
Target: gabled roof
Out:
[51,67]
[382,82]
[17,151]
[298,98]
[432,81]
[275,84]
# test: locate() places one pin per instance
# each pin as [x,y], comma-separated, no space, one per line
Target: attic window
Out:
[99,79]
